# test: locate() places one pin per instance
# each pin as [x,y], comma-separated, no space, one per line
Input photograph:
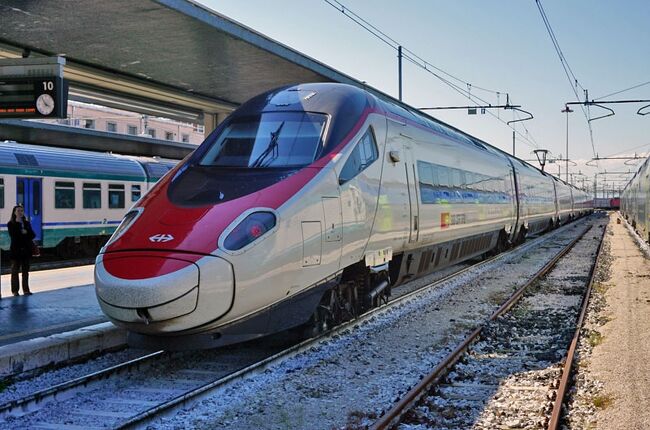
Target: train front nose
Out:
[149,293]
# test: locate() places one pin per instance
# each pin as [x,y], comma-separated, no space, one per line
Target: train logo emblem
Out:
[160,237]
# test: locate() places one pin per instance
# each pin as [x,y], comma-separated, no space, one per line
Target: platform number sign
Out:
[33,97]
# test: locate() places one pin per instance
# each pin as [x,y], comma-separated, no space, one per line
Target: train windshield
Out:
[270,140]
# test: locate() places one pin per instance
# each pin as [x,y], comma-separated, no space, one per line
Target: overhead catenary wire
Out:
[626,89]
[428,67]
[394,43]
[573,80]
[626,150]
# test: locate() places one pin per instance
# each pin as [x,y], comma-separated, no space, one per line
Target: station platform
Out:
[60,321]
[48,312]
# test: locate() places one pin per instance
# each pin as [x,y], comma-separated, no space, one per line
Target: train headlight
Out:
[127,222]
[249,230]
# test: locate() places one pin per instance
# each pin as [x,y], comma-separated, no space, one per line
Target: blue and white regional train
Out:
[635,201]
[75,199]
[306,205]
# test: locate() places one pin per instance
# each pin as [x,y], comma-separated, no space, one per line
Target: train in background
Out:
[607,203]
[74,199]
[304,208]
[635,201]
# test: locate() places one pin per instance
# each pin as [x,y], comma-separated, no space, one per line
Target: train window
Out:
[271,140]
[362,156]
[92,196]
[434,175]
[425,173]
[455,178]
[135,193]
[2,192]
[20,193]
[116,196]
[470,180]
[462,181]
[443,176]
[64,195]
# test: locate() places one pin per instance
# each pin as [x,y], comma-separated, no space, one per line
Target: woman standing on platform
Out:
[22,235]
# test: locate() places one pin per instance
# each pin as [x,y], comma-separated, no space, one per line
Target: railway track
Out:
[514,371]
[132,394]
[162,399]
[112,397]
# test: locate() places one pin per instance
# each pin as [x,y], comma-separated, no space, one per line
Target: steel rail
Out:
[556,413]
[255,368]
[197,394]
[389,419]
[37,400]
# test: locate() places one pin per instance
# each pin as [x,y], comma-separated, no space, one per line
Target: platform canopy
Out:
[172,58]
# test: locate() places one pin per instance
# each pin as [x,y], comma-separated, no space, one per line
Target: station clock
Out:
[28,97]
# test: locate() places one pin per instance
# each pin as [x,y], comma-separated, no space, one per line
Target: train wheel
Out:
[320,322]
[502,245]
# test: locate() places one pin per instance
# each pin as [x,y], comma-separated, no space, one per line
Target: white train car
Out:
[565,201]
[306,205]
[73,198]
[635,201]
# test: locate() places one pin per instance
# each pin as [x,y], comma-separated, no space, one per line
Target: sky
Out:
[501,45]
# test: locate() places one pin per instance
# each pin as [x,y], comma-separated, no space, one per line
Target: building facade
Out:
[102,118]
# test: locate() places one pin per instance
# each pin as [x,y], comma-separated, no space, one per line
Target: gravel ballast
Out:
[348,380]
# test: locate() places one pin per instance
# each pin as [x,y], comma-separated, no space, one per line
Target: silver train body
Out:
[305,207]
[635,201]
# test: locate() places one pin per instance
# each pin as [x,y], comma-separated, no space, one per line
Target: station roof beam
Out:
[174,57]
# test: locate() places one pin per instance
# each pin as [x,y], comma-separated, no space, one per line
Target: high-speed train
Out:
[74,199]
[635,201]
[305,206]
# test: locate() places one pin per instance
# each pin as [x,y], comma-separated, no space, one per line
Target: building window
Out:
[169,135]
[115,196]
[92,195]
[64,195]
[198,128]
[111,126]
[90,124]
[151,132]
[185,138]
[132,129]
[135,193]
[2,193]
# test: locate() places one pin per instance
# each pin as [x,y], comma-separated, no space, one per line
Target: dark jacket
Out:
[21,243]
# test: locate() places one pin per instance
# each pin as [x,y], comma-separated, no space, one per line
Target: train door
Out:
[29,195]
[414,202]
[359,181]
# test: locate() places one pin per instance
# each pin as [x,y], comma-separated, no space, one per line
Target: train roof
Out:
[19,158]
[155,167]
[396,106]
[644,165]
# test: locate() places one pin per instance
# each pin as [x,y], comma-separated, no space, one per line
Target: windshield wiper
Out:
[271,149]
